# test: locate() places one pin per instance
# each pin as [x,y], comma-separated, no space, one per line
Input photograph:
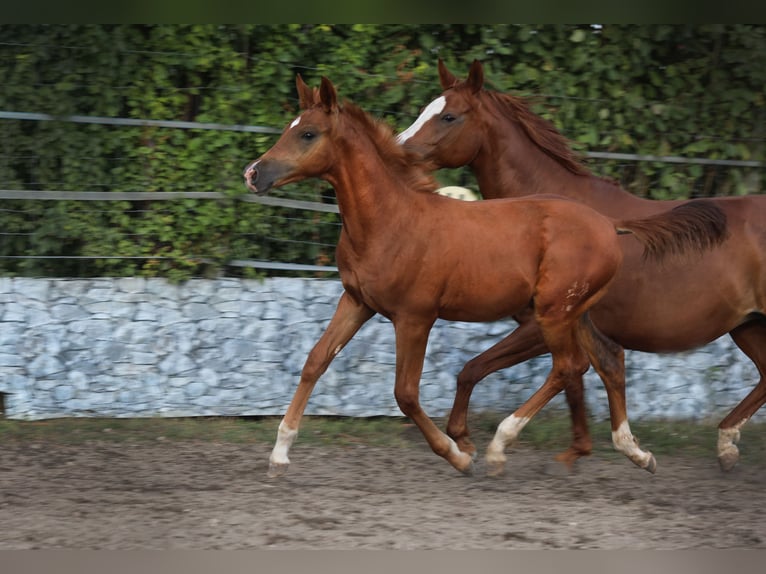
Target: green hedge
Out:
[686,90]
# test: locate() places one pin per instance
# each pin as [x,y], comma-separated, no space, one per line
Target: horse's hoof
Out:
[651,466]
[467,470]
[558,467]
[277,469]
[728,460]
[563,463]
[495,468]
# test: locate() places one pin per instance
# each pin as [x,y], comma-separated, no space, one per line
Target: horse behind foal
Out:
[414,256]
[652,307]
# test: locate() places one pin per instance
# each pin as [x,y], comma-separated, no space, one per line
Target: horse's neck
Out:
[367,194]
[510,174]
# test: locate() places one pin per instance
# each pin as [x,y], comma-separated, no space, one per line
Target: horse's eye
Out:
[449,118]
[308,136]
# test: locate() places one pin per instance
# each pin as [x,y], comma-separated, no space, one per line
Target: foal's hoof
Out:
[557,467]
[465,464]
[495,467]
[728,460]
[651,466]
[467,447]
[277,469]
[563,463]
[468,469]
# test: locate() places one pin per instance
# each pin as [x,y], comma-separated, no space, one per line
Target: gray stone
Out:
[63,393]
[197,311]
[131,284]
[67,312]
[176,363]
[45,365]
[32,288]
[11,360]
[195,389]
[13,312]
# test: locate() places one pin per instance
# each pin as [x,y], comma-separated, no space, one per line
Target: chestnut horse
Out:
[414,256]
[650,307]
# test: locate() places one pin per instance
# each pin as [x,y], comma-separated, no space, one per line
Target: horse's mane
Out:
[542,133]
[415,173]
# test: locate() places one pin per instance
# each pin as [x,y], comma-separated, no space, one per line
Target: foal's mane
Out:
[404,163]
[542,132]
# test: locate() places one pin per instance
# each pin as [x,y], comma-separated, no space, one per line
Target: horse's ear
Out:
[305,94]
[328,97]
[475,79]
[446,78]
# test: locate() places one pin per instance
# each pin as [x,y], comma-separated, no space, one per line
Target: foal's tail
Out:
[697,225]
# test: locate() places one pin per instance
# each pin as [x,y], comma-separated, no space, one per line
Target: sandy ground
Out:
[169,495]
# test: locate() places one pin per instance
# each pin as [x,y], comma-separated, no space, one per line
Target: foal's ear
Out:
[446,78]
[475,79]
[328,97]
[306,95]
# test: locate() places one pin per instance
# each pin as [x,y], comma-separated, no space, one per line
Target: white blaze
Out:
[296,121]
[432,109]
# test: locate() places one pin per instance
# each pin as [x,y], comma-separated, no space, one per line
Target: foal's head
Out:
[303,150]
[312,145]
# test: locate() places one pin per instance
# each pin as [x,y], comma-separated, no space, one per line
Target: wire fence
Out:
[294,207]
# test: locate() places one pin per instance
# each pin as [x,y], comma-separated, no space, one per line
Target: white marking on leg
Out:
[453,448]
[728,439]
[337,350]
[507,431]
[285,438]
[296,121]
[626,443]
[460,460]
[432,109]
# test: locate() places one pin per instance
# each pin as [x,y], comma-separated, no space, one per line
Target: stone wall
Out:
[143,347]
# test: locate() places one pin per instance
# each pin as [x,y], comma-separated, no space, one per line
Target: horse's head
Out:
[449,131]
[302,150]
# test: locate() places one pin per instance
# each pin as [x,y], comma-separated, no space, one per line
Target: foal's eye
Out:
[308,136]
[449,118]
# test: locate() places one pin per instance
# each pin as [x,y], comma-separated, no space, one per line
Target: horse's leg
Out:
[569,362]
[751,338]
[608,359]
[348,318]
[411,342]
[523,344]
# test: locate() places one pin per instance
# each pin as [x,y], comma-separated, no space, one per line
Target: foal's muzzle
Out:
[251,177]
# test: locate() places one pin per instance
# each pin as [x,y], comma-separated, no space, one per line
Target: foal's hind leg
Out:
[569,362]
[608,359]
[751,338]
[523,344]
[348,318]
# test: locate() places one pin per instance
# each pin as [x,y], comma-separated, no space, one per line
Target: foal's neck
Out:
[369,190]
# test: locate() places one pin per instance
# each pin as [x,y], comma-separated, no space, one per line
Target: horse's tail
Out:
[696,225]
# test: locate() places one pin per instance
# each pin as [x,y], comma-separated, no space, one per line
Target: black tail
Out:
[697,225]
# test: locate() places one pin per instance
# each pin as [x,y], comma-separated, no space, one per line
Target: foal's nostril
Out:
[251,175]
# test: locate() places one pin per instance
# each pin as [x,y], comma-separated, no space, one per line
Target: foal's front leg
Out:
[411,342]
[348,318]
